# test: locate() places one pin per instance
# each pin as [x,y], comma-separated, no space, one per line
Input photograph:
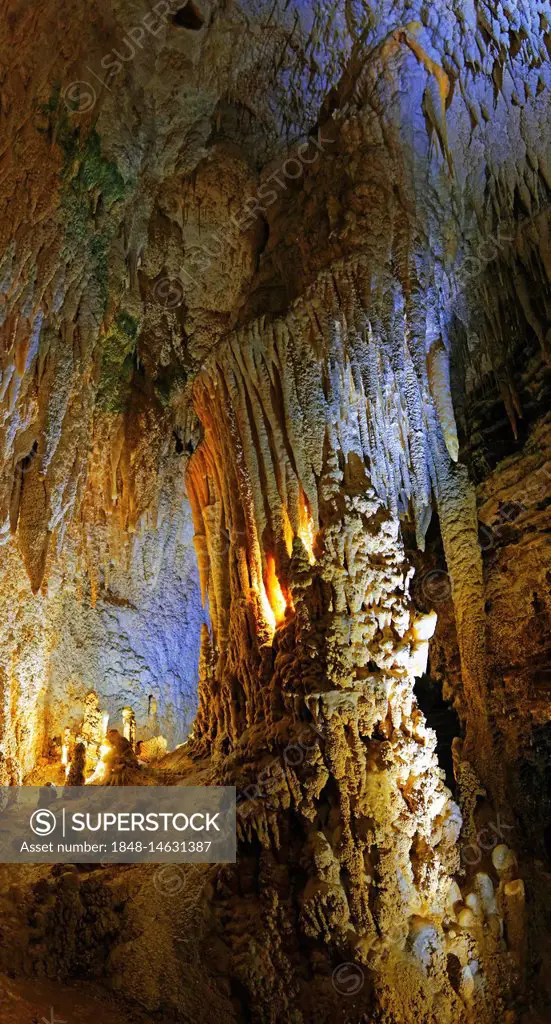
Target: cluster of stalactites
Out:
[61,455]
[277,397]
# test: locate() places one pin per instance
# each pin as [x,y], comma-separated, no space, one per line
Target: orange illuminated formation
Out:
[306,529]
[276,598]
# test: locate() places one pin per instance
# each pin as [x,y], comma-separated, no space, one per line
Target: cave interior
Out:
[275,446]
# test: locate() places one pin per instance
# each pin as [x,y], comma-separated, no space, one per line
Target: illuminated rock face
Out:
[205,299]
[138,646]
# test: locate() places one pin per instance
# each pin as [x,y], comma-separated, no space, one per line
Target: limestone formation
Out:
[275,473]
[76,775]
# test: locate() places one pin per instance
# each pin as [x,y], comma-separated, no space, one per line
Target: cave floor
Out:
[30,1001]
[176,768]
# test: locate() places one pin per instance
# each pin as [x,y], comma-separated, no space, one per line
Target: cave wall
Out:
[139,640]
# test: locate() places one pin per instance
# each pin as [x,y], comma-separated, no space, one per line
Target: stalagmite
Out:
[505,862]
[129,726]
[514,904]
[76,774]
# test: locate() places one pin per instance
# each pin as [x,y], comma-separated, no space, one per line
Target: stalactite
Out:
[439,376]
[388,422]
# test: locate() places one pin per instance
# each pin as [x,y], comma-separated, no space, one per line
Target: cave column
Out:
[307,676]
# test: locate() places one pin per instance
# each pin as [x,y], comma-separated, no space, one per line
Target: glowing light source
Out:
[101,767]
[306,530]
[287,531]
[276,598]
[65,747]
[267,609]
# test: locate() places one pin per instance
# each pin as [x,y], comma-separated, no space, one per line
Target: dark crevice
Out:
[453,966]
[441,717]
[189,17]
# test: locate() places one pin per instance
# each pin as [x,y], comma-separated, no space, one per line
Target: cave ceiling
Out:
[167,183]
